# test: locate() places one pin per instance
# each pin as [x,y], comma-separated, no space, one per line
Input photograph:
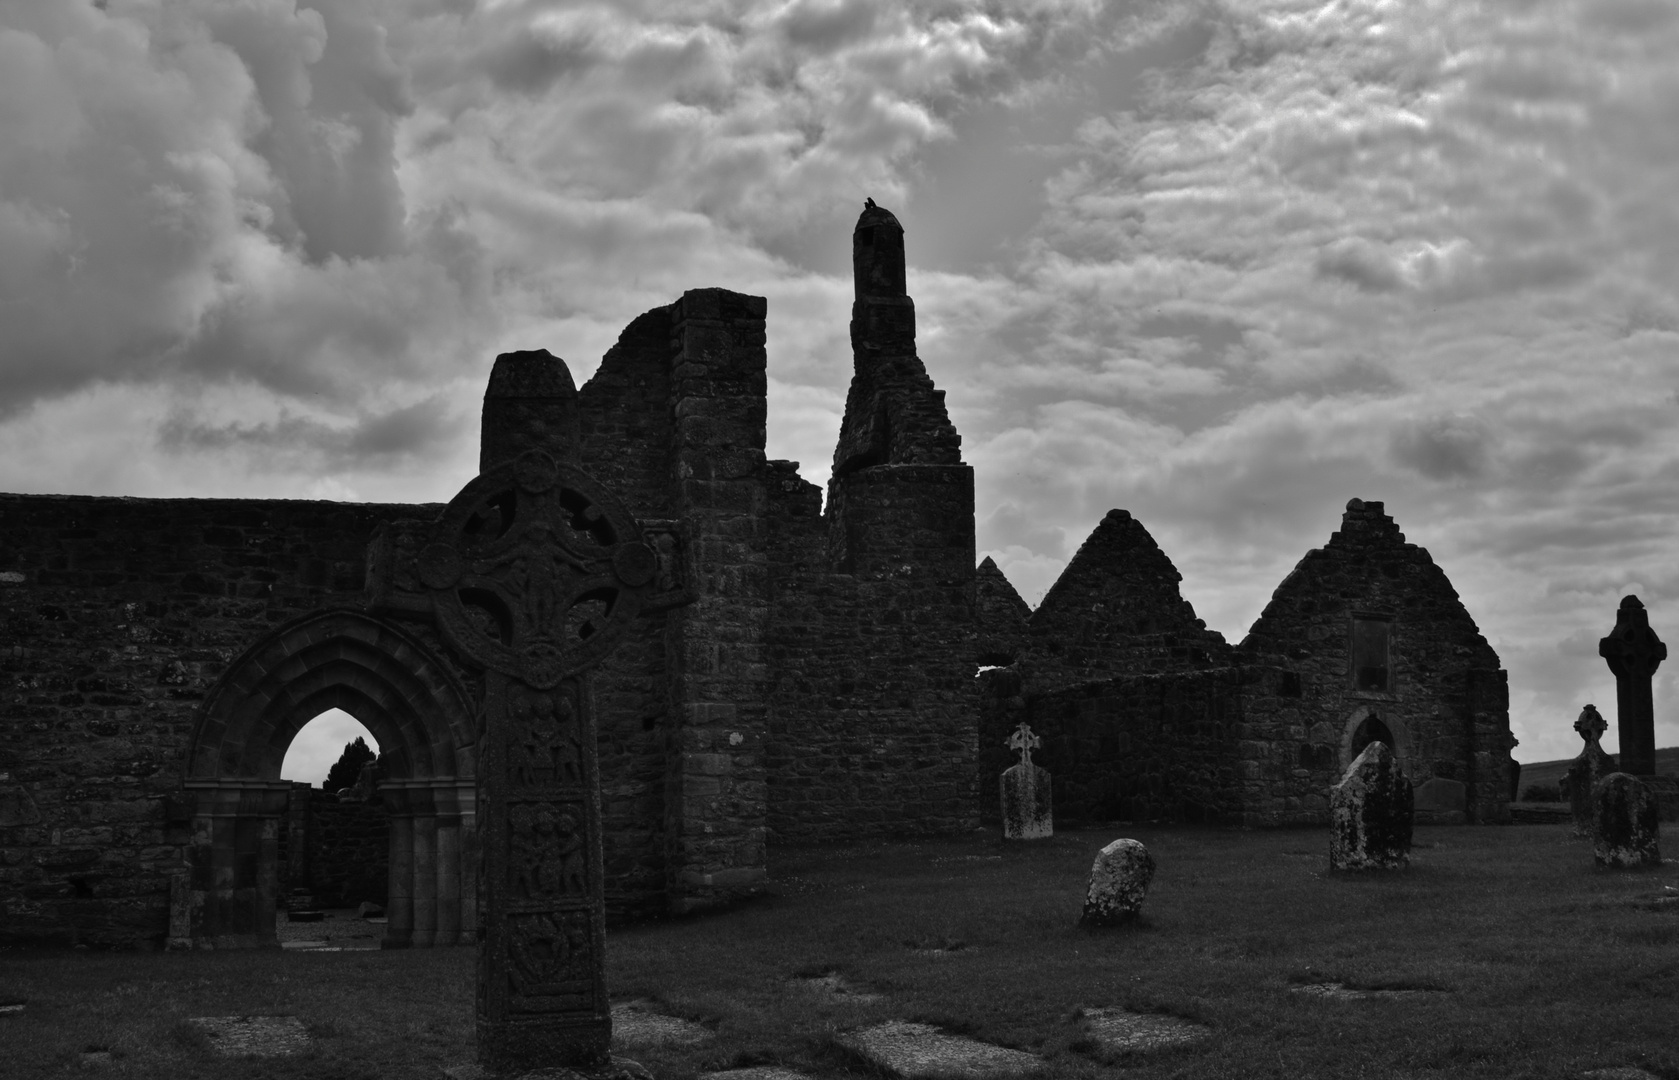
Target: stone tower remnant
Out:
[1592,765]
[1633,653]
[535,571]
[1370,814]
[1027,809]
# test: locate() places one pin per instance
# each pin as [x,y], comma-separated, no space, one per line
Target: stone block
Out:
[1027,808]
[1440,796]
[1119,881]
[1371,812]
[1625,823]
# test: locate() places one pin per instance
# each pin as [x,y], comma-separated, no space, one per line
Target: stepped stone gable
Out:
[1001,617]
[1116,610]
[872,644]
[1378,646]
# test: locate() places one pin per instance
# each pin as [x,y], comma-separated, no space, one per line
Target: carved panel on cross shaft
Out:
[551,965]
[546,850]
[544,745]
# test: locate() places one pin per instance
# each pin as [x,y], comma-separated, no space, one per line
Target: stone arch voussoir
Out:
[421,715]
[1401,735]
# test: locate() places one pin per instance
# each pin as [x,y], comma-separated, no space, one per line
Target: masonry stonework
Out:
[810,675]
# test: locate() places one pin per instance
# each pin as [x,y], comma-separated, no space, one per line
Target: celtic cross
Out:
[1024,741]
[1633,653]
[535,571]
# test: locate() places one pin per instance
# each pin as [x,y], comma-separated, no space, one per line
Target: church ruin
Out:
[815,682]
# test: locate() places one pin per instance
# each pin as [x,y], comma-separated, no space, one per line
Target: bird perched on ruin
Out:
[868,204]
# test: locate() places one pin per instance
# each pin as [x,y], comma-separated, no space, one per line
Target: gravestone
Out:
[1027,811]
[1585,771]
[1119,881]
[1633,653]
[534,572]
[1371,814]
[1624,823]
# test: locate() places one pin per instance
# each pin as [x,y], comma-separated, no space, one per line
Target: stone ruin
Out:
[816,682]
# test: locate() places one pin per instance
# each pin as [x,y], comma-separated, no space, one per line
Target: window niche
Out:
[1370,654]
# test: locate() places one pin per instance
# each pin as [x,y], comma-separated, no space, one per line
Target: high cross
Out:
[1634,652]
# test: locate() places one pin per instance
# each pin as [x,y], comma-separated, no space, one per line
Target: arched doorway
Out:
[424,723]
[1367,725]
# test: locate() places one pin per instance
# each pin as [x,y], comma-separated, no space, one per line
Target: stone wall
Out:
[1116,610]
[116,615]
[346,848]
[1376,635]
[873,708]
[1134,748]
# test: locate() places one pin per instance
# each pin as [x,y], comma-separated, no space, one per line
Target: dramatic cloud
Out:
[1223,265]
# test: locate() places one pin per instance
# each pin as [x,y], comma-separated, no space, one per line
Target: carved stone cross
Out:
[1634,652]
[535,571]
[1591,725]
[1024,741]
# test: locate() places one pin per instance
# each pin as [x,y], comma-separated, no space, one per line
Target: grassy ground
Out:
[1546,968]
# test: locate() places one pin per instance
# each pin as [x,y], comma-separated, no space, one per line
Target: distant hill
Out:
[1549,772]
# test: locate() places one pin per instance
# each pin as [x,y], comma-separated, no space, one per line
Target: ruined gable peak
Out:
[1000,616]
[995,590]
[1364,523]
[1118,565]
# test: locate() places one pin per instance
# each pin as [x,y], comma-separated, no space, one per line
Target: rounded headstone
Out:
[1625,822]
[1119,881]
[1371,813]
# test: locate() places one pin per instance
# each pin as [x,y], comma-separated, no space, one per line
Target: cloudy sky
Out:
[1223,264]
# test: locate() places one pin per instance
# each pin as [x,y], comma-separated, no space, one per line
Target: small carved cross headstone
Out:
[1027,808]
[1633,653]
[1586,770]
[1024,741]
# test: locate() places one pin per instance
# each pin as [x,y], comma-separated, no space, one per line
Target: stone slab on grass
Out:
[1116,1029]
[835,986]
[640,1023]
[756,1072]
[1340,992]
[923,1052]
[253,1036]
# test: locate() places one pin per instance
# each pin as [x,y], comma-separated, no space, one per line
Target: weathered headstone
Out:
[1625,823]
[1371,814]
[534,571]
[1633,653]
[1585,771]
[1027,810]
[1119,881]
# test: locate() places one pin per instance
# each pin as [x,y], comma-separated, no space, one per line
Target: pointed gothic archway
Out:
[424,722]
[1367,724]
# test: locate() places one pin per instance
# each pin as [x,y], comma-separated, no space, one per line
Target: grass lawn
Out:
[1544,967]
